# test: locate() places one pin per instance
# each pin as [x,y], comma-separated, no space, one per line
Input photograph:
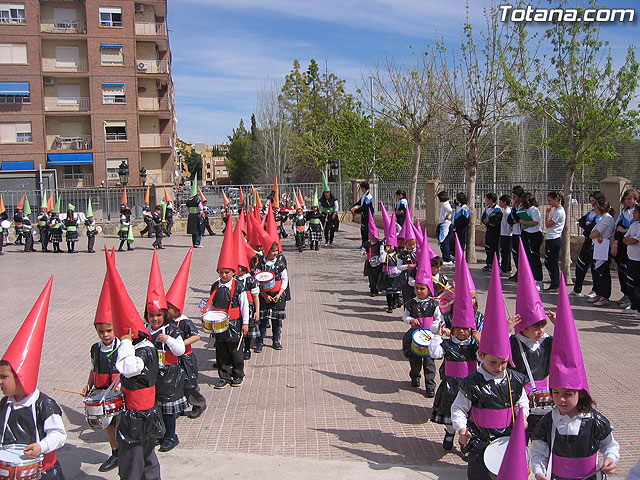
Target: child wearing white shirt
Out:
[632,240]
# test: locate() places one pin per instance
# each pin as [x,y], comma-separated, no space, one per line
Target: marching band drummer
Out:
[90,223]
[103,365]
[28,416]
[140,423]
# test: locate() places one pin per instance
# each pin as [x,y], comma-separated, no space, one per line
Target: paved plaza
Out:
[336,402]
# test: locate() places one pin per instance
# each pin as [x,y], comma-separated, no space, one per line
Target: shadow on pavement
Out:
[372,385]
[378,352]
[371,334]
[401,413]
[72,457]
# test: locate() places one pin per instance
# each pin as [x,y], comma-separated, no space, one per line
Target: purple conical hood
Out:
[514,464]
[495,331]
[423,270]
[392,233]
[567,366]
[461,262]
[373,229]
[406,231]
[417,231]
[528,302]
[385,220]
[464,315]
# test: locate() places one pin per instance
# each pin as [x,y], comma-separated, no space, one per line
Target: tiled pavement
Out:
[338,391]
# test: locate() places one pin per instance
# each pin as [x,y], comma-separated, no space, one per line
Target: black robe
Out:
[195,223]
[170,384]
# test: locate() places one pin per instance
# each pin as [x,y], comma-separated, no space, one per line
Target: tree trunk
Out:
[417,147]
[470,180]
[565,253]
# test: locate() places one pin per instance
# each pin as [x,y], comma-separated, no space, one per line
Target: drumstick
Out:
[240,342]
[443,285]
[68,391]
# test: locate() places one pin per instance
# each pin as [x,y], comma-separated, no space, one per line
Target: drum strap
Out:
[213,294]
[526,365]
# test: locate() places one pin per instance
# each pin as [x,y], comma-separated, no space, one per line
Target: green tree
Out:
[238,159]
[193,161]
[310,99]
[576,87]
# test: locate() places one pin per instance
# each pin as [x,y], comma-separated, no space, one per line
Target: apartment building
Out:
[85,85]
[214,169]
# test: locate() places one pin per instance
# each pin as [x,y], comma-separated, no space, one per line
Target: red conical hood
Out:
[242,223]
[123,311]
[26,348]
[124,200]
[267,242]
[272,228]
[202,197]
[276,195]
[242,201]
[225,199]
[103,310]
[238,240]
[228,257]
[178,289]
[301,197]
[155,292]
[21,203]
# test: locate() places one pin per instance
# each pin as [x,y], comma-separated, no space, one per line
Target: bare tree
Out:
[274,130]
[474,94]
[407,95]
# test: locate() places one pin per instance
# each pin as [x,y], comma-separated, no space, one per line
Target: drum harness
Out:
[6,420]
[513,413]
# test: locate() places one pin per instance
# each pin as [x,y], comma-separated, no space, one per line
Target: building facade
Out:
[85,85]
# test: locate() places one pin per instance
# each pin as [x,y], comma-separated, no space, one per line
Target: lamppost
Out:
[106,170]
[333,171]
[123,173]
[287,173]
[143,176]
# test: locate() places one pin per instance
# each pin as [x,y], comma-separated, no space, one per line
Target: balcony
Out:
[57,143]
[67,104]
[152,104]
[152,66]
[76,180]
[154,140]
[77,65]
[151,28]
[62,26]
[159,177]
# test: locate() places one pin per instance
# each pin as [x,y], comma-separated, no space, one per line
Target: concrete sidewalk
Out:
[336,401]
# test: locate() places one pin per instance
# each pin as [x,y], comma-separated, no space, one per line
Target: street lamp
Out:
[143,176]
[123,173]
[287,173]
[334,171]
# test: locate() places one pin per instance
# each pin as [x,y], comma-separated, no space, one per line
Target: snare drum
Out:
[215,321]
[393,271]
[14,464]
[540,402]
[420,341]
[98,229]
[101,408]
[267,280]
[494,453]
[374,261]
[446,301]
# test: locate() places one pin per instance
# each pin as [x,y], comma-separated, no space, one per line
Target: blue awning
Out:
[113,84]
[110,46]
[14,88]
[70,158]
[8,166]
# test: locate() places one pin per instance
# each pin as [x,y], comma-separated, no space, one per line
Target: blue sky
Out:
[225,50]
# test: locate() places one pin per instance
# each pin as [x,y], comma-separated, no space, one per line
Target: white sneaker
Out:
[592,294]
[447,263]
[626,306]
[573,293]
[602,302]
[539,286]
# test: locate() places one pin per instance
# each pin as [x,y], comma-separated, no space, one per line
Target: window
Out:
[73,172]
[67,57]
[111,55]
[115,130]
[110,17]
[13,53]
[65,18]
[14,92]
[15,133]
[12,13]
[112,167]
[113,93]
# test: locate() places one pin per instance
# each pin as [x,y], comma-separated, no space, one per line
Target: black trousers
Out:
[532,243]
[476,469]
[462,238]
[418,364]
[207,226]
[300,240]
[158,242]
[374,278]
[138,461]
[492,244]
[633,285]
[28,242]
[148,226]
[44,238]
[505,253]
[169,226]
[230,360]
[623,260]
[584,263]
[445,246]
[364,231]
[392,299]
[515,249]
[551,257]
[602,280]
[91,241]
